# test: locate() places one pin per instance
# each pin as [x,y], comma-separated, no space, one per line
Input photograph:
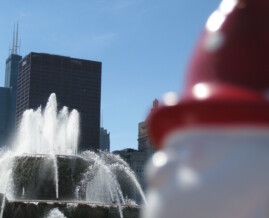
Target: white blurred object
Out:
[213,173]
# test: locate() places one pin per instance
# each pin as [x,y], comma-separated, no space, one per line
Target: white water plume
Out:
[6,192]
[101,179]
[56,176]
[132,177]
[55,213]
[104,186]
[6,162]
[48,132]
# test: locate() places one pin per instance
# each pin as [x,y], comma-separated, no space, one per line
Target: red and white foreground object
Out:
[213,158]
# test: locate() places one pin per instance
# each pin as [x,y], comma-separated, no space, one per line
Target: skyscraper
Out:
[11,77]
[8,93]
[76,82]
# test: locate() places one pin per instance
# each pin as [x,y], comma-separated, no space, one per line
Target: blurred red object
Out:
[228,75]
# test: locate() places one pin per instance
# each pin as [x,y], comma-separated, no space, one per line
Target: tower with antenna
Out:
[8,110]
[12,62]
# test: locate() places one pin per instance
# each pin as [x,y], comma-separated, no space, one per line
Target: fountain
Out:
[43,176]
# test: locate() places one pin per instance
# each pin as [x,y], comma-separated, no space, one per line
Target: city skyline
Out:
[144,48]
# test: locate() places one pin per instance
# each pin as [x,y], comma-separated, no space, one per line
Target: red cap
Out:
[228,75]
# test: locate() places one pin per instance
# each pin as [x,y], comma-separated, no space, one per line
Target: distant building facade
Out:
[104,140]
[76,83]
[137,159]
[144,143]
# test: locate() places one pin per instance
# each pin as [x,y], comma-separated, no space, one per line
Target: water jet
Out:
[43,176]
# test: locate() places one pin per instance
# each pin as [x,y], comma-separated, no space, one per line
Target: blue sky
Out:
[144,46]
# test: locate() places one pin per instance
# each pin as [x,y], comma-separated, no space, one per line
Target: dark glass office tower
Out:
[4,114]
[11,77]
[8,93]
[8,96]
[76,82]
[12,65]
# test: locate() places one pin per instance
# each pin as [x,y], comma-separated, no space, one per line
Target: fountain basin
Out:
[34,176]
[67,177]
[42,176]
[39,208]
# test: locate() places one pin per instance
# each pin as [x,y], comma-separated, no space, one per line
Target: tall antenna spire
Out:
[15,43]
